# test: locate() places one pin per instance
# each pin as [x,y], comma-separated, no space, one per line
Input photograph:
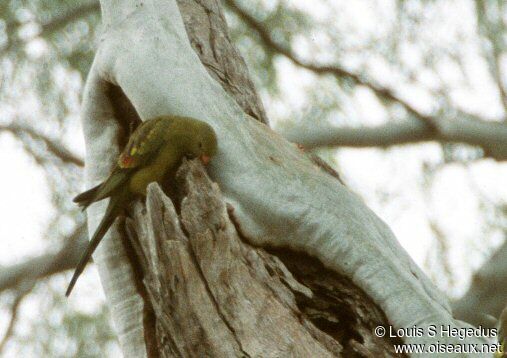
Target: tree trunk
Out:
[215,295]
[198,282]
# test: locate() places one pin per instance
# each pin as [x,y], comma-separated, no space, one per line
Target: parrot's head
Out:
[204,142]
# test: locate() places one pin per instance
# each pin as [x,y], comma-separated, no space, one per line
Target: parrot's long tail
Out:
[113,210]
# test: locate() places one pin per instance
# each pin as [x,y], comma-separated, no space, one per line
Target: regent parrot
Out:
[155,148]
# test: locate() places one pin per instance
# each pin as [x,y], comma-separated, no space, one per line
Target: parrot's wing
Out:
[105,189]
[141,148]
[144,144]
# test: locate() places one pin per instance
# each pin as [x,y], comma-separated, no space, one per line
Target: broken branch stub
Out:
[213,294]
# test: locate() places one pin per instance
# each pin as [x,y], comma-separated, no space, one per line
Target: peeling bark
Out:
[209,36]
[216,295]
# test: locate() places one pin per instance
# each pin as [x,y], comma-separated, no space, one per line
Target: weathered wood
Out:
[215,295]
[209,36]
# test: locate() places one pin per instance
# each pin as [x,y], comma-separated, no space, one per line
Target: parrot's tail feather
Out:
[113,209]
[86,198]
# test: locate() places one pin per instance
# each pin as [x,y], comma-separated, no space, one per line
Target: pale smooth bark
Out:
[490,136]
[280,198]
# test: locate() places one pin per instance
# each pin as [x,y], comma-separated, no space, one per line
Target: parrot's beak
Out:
[205,159]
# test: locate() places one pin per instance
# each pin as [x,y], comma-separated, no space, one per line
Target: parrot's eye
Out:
[200,145]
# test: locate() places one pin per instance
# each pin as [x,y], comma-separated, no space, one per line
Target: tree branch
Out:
[60,21]
[490,136]
[337,71]
[57,22]
[14,316]
[53,147]
[494,54]
[46,265]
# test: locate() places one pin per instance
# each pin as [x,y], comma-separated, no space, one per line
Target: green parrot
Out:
[155,148]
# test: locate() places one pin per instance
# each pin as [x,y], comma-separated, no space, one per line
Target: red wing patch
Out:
[126,161]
